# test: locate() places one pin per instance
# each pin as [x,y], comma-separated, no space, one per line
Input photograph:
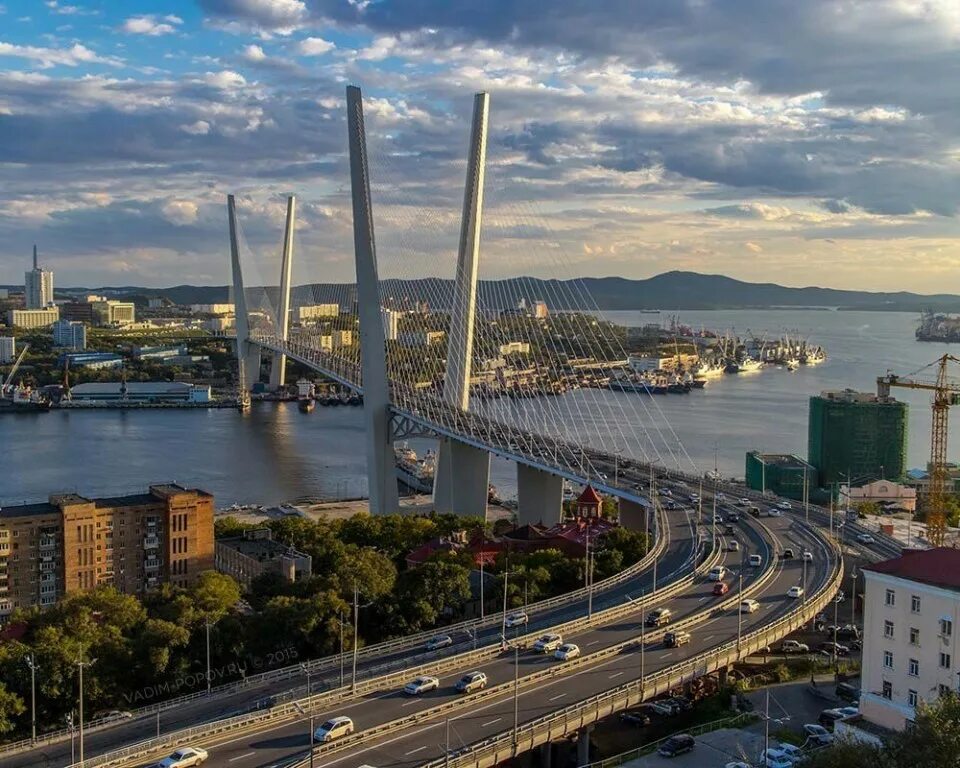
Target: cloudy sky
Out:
[809,142]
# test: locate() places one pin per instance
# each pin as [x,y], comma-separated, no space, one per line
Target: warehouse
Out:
[140,392]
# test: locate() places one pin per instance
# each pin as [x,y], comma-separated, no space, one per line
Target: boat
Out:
[813,356]
[306,404]
[708,370]
[792,364]
[678,387]
[412,471]
[20,400]
[749,365]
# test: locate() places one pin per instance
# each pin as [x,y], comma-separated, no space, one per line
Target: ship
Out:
[813,356]
[412,471]
[746,365]
[306,404]
[936,326]
[792,364]
[20,400]
[708,370]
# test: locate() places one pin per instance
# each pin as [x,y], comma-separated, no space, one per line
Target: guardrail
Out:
[296,709]
[332,662]
[558,724]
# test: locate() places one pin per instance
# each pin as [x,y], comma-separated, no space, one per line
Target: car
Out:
[817,734]
[829,649]
[773,512]
[334,728]
[717,573]
[733,517]
[720,496]
[795,591]
[754,510]
[749,605]
[548,642]
[637,716]
[733,545]
[472,681]
[718,519]
[784,505]
[847,692]
[755,561]
[677,744]
[658,617]
[420,685]
[516,619]
[695,498]
[185,757]
[849,711]
[438,642]
[664,707]
[807,556]
[744,502]
[566,652]
[793,646]
[729,530]
[676,639]
[670,505]
[721,588]
[792,751]
[737,764]
[787,553]
[829,717]
[866,538]
[775,758]
[112,716]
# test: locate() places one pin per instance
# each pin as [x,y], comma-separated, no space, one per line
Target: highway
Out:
[421,743]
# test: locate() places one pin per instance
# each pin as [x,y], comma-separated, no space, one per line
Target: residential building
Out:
[911,625]
[540,310]
[159,353]
[420,338]
[342,339]
[95,361]
[213,309]
[782,474]
[8,349]
[855,437]
[79,311]
[391,323]
[70,334]
[218,325]
[515,348]
[140,392]
[33,318]
[890,496]
[114,313]
[37,286]
[317,312]
[919,479]
[255,553]
[72,543]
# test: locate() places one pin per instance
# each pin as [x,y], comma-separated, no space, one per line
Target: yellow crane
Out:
[946,392]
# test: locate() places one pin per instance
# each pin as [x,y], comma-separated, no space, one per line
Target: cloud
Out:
[199,128]
[265,14]
[151,25]
[180,212]
[225,79]
[253,53]
[74,56]
[314,46]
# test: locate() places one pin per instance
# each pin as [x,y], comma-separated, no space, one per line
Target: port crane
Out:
[13,371]
[946,392]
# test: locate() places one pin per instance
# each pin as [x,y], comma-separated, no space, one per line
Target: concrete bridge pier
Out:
[539,496]
[583,746]
[546,755]
[634,516]
[462,479]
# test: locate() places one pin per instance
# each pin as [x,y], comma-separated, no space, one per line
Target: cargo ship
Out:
[936,326]
[414,472]
[21,400]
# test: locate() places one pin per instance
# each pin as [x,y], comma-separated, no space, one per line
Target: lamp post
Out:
[739,608]
[31,662]
[853,596]
[481,584]
[503,620]
[69,721]
[356,621]
[643,625]
[306,671]
[207,623]
[516,695]
[80,665]
[806,496]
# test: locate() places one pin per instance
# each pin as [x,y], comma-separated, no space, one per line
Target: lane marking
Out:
[241,757]
[491,722]
[414,751]
[592,642]
[616,674]
[409,703]
[558,696]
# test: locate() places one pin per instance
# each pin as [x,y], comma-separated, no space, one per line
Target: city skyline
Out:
[638,140]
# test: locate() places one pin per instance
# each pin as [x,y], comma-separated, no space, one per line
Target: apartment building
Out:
[911,624]
[134,543]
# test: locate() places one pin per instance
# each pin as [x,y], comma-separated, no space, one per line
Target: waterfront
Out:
[276,453]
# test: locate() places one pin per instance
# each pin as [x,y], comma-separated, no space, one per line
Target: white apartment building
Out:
[70,334]
[391,323]
[33,318]
[37,286]
[911,626]
[213,309]
[317,312]
[8,349]
[112,313]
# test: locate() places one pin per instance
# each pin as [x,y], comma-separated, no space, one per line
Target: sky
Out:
[803,143]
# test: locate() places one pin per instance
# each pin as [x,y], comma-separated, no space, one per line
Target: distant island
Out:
[668,291]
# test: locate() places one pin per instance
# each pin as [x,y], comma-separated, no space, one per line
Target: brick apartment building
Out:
[134,542]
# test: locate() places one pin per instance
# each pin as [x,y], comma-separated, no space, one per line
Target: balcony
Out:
[152,564]
[48,566]
[46,578]
[151,542]
[47,542]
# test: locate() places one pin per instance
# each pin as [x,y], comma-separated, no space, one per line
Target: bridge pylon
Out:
[248,355]
[278,366]
[381,462]
[462,476]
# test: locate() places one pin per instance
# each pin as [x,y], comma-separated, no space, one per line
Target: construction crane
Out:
[946,392]
[13,371]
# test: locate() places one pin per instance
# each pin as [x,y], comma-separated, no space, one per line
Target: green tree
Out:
[224,527]
[632,545]
[214,595]
[933,740]
[11,707]
[849,754]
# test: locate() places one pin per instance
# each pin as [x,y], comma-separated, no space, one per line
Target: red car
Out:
[721,588]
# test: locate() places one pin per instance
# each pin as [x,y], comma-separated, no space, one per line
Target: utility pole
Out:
[31,662]
[356,621]
[340,622]
[806,496]
[80,665]
[643,632]
[311,739]
[713,535]
[853,596]
[766,727]
[207,622]
[516,695]
[482,616]
[446,755]
[503,620]
[700,503]
[739,608]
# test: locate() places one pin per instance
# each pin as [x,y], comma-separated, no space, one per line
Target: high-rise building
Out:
[856,437]
[8,349]
[783,474]
[391,323]
[70,334]
[540,310]
[134,543]
[33,318]
[38,286]
[81,311]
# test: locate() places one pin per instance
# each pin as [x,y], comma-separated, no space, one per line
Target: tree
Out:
[214,594]
[224,527]
[933,740]
[11,706]
[849,754]
[424,593]
[632,545]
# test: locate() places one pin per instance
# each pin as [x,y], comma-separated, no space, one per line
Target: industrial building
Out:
[33,318]
[140,392]
[95,361]
[212,309]
[37,286]
[134,543]
[70,334]
[8,349]
[783,474]
[854,437]
[255,553]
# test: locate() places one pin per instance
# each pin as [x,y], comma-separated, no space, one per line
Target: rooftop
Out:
[589,496]
[939,567]
[26,510]
[786,460]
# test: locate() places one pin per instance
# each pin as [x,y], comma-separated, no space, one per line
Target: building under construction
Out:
[855,437]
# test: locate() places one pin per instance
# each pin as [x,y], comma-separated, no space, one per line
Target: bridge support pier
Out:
[278,366]
[381,469]
[633,516]
[539,496]
[546,755]
[462,479]
[583,746]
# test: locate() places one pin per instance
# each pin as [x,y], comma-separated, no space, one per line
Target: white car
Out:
[185,757]
[334,728]
[517,619]
[775,758]
[793,646]
[717,573]
[866,538]
[749,605]
[420,685]
[733,545]
[808,556]
[795,591]
[438,642]
[718,518]
[784,505]
[548,643]
[793,752]
[774,512]
[112,716]
[756,561]
[744,502]
[566,652]
[818,734]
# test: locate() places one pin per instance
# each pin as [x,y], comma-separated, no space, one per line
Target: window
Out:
[943,690]
[914,604]
[888,629]
[945,660]
[914,668]
[887,689]
[946,627]
[888,659]
[914,636]
[891,597]
[912,698]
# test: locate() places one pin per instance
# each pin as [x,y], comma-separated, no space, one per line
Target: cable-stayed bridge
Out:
[418,381]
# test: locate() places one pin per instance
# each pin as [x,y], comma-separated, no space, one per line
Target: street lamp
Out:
[80,665]
[31,662]
[69,721]
[516,695]
[306,671]
[207,623]
[739,608]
